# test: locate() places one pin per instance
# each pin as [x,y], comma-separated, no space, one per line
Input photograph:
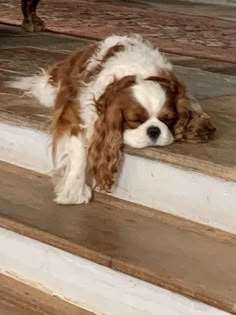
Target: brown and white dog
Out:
[120,90]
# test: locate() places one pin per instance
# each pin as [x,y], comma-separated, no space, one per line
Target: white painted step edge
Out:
[204,199]
[87,284]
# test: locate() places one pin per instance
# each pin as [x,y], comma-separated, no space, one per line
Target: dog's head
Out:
[155,111]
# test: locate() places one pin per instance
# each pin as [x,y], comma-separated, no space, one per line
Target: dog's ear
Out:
[192,125]
[104,149]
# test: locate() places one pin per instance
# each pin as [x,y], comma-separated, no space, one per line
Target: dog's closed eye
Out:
[133,123]
[168,119]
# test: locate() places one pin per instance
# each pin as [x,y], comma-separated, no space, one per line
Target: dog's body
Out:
[120,90]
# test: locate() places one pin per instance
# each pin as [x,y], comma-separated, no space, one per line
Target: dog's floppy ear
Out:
[104,149]
[192,125]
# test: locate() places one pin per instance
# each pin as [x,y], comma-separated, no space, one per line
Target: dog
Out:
[117,91]
[31,22]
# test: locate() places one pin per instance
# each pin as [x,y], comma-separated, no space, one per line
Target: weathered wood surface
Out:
[186,257]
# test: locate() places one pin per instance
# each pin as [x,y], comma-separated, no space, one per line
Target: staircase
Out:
[163,243]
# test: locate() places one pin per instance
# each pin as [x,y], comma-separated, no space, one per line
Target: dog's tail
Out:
[38,86]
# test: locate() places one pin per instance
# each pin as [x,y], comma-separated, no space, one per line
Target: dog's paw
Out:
[39,25]
[80,196]
[87,193]
[84,196]
[27,26]
[33,25]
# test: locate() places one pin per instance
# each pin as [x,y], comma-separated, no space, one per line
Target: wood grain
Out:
[184,256]
[17,298]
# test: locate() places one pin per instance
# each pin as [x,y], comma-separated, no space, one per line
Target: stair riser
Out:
[25,147]
[184,193]
[93,287]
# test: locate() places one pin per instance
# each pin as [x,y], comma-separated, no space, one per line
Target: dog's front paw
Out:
[39,24]
[35,24]
[83,195]
[87,193]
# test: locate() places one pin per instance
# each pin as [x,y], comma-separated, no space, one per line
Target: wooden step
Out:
[176,254]
[213,87]
[17,298]
[210,8]
[223,3]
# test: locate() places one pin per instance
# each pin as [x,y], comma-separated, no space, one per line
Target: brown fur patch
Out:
[134,114]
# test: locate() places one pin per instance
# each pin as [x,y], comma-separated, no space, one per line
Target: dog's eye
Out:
[134,123]
[169,121]
[137,121]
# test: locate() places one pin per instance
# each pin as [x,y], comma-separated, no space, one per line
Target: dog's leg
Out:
[31,22]
[39,24]
[70,171]
[69,148]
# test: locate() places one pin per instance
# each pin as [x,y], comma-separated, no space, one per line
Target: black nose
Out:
[153,132]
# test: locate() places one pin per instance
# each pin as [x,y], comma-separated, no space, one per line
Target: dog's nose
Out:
[153,132]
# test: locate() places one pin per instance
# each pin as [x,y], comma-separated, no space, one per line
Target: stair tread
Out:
[18,298]
[186,257]
[217,91]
